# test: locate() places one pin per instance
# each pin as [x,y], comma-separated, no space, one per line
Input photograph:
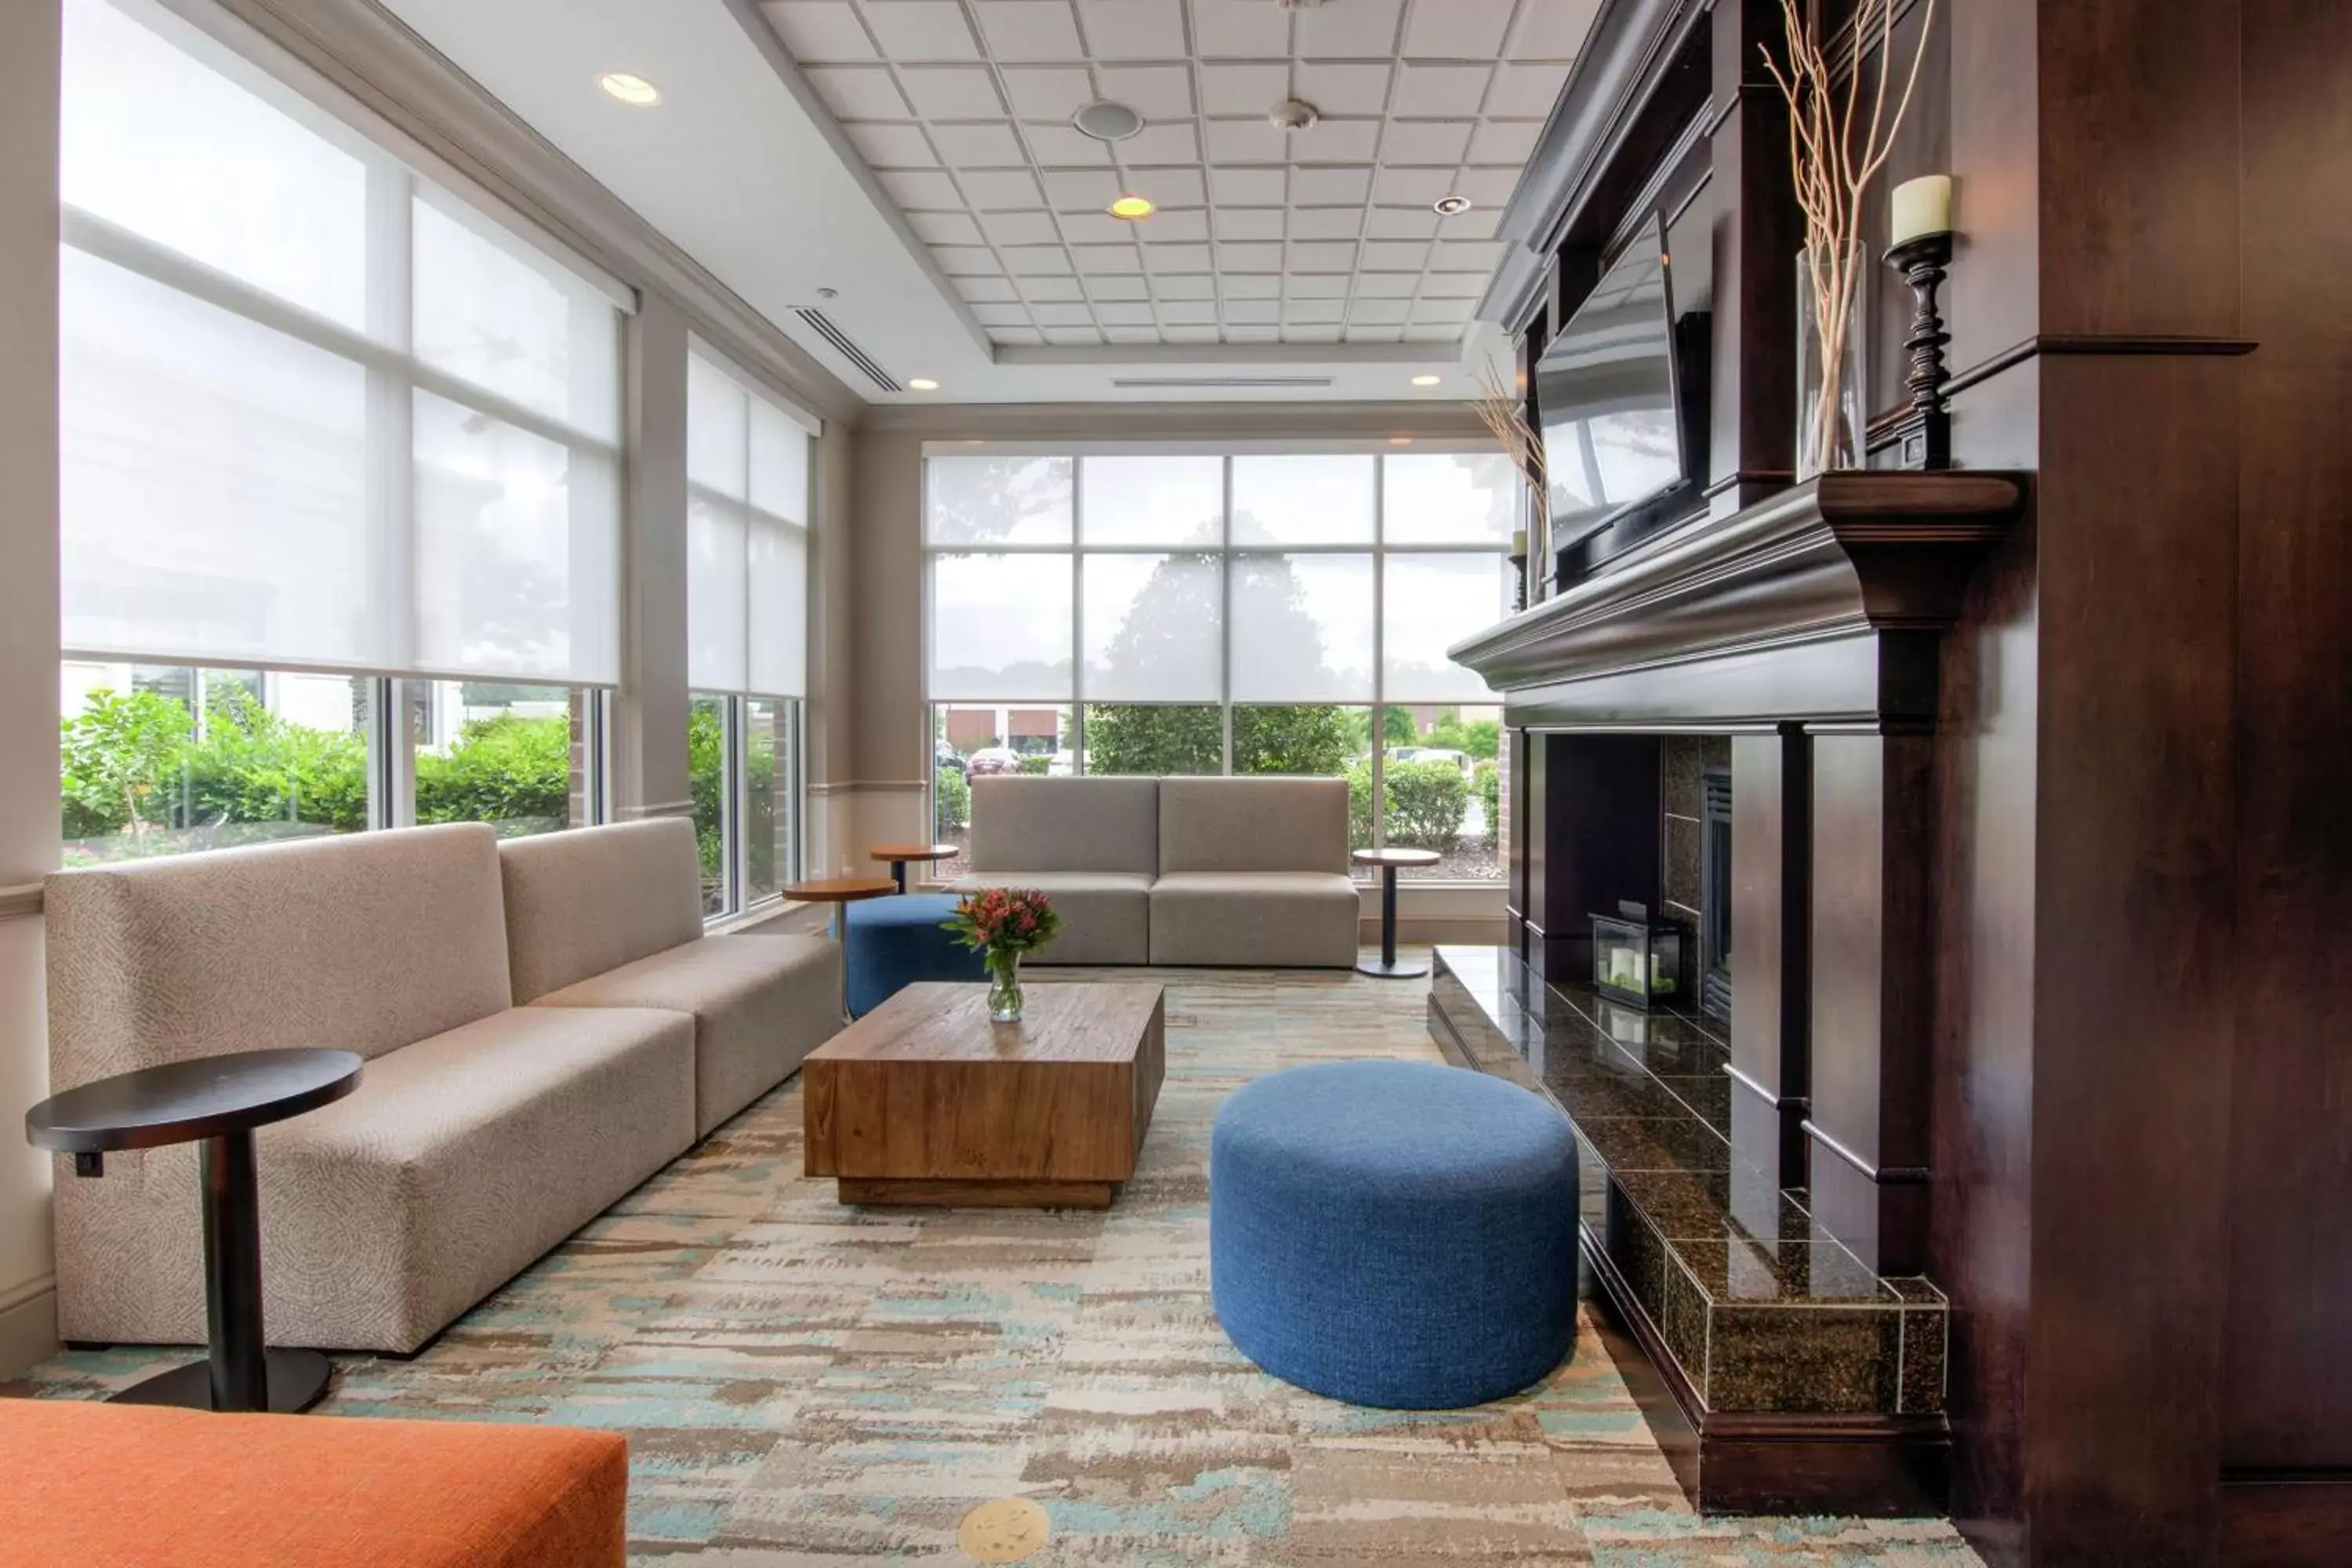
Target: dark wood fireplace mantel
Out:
[1818,606]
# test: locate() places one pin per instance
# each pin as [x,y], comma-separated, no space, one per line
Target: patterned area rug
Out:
[806,1385]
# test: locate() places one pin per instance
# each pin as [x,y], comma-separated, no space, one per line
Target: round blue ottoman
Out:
[891,943]
[1394,1233]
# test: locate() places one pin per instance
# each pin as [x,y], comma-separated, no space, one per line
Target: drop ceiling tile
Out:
[1425,142]
[1193,285]
[1051,289]
[1330,187]
[1488,188]
[1249,334]
[1002,190]
[1125,314]
[1468,255]
[1322,256]
[989,315]
[1243,89]
[1066,315]
[952,92]
[1131,334]
[1387,285]
[1358,333]
[1107,260]
[1073,337]
[922,29]
[1434,92]
[1338,90]
[1081,190]
[1507,142]
[820,30]
[1172,142]
[1188,312]
[1454,285]
[944,228]
[1554,30]
[1378,312]
[1355,29]
[1186,226]
[985,290]
[1097,229]
[1310,310]
[1246,187]
[1401,223]
[1122,288]
[892,146]
[859,92]
[1163,259]
[1017,337]
[1432,334]
[1030,29]
[1047,92]
[914,190]
[982,146]
[1037,261]
[1337,141]
[1020,229]
[1527,92]
[1248,223]
[1064,147]
[1478,222]
[1190,334]
[1249,259]
[1315,286]
[966,260]
[1258,311]
[1393,256]
[1240,29]
[1156,92]
[1170,187]
[1245,142]
[1250,286]
[1411,187]
[1459,29]
[1327,223]
[1134,29]
[1310,335]
[1433,312]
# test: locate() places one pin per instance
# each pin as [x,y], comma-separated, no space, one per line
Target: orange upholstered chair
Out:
[111,1486]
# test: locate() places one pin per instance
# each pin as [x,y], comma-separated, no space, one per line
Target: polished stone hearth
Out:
[1776,1338]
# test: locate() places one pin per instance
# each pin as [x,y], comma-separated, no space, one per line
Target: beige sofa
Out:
[1236,871]
[481,1134]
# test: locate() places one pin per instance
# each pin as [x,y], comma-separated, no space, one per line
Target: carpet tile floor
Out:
[810,1386]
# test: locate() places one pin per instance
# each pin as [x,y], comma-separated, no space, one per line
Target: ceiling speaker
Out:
[1106,122]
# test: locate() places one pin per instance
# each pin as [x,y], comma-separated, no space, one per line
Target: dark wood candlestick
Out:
[1926,432]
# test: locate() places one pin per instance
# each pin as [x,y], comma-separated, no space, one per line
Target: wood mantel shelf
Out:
[1820,605]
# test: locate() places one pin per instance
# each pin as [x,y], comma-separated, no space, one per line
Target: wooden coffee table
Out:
[924,1101]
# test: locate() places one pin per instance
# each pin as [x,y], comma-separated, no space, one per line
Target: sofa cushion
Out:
[1105,915]
[759,1004]
[1253,825]
[363,943]
[94,1484]
[594,899]
[457,1161]
[1270,918]
[1029,824]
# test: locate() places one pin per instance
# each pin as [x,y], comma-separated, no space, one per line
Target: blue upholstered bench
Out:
[891,943]
[1394,1233]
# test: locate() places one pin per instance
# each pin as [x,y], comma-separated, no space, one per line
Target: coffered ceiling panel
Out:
[962,110]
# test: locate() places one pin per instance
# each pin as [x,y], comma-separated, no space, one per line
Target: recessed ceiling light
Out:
[1106,122]
[1451,207]
[1424,381]
[1130,208]
[922,384]
[633,90]
[1399,440]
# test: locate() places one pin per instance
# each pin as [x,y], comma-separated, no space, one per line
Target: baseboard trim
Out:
[28,1325]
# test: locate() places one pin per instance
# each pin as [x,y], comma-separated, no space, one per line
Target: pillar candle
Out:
[1923,206]
[1519,541]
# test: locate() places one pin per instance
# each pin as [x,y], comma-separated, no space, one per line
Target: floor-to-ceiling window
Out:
[1188,611]
[340,464]
[747,628]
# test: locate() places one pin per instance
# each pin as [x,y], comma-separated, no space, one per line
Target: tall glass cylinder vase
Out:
[1004,997]
[1833,334]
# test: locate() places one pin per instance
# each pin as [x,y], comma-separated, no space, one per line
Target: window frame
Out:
[735,801]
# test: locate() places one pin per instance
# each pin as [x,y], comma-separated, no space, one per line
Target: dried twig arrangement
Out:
[1834,158]
[1504,414]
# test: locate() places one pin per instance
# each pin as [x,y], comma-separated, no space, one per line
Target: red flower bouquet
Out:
[1001,924]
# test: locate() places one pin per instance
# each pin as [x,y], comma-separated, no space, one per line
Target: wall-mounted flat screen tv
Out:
[1605,388]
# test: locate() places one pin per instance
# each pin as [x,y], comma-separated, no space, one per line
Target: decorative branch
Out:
[1503,412]
[1832,167]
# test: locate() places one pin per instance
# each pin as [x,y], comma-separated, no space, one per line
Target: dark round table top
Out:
[180,1102]
[914,852]
[841,889]
[1395,856]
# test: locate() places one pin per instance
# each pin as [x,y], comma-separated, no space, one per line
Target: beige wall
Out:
[28,645]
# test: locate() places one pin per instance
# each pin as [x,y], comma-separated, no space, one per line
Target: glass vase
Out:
[1003,988]
[1832,332]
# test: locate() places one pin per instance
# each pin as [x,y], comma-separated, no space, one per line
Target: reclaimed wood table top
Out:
[841,889]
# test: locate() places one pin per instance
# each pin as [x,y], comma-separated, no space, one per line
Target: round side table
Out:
[899,855]
[219,1100]
[1390,862]
[839,891]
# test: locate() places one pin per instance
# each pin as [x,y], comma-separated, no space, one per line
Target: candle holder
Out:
[1926,432]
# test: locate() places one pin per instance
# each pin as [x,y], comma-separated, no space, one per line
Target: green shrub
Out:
[507,768]
[1487,780]
[706,775]
[1138,738]
[1291,739]
[953,792]
[1427,803]
[119,760]
[1036,767]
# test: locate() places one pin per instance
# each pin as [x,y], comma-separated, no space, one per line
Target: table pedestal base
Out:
[1391,970]
[298,1380]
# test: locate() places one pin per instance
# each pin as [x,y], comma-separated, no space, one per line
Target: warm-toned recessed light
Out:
[1399,440]
[633,90]
[922,384]
[1424,381]
[1451,207]
[1130,208]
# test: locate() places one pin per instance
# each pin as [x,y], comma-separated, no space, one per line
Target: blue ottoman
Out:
[1394,1233]
[891,943]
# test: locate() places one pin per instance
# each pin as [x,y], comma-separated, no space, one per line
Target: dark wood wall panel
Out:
[1771,862]
[2288,1392]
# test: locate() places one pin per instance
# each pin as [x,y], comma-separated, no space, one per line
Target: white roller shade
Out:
[747,539]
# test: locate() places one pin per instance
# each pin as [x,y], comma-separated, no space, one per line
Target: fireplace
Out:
[1715,893]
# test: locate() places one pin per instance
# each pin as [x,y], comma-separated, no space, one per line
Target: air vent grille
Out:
[823,325]
[1141,383]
